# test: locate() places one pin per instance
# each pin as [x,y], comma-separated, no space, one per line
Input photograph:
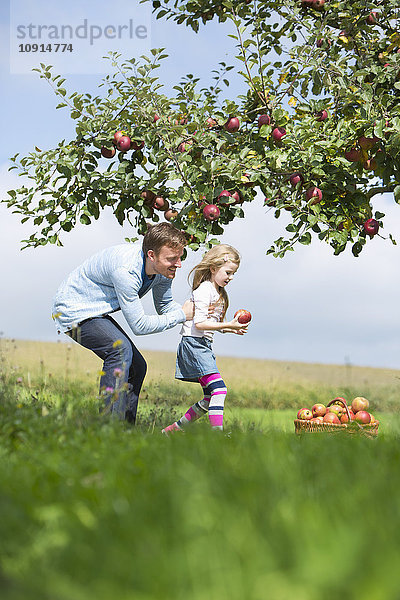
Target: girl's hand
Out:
[239,332]
[235,327]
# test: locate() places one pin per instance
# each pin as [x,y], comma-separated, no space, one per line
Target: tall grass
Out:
[93,508]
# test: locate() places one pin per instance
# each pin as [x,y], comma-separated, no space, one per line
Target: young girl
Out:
[195,358]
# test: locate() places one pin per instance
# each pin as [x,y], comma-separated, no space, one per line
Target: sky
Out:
[309,306]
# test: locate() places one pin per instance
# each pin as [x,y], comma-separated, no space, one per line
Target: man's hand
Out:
[188,309]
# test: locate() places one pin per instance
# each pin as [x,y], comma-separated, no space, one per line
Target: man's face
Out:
[165,262]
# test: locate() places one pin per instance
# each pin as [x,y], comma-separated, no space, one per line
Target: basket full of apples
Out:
[337,416]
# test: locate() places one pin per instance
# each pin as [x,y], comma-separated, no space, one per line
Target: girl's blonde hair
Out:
[214,259]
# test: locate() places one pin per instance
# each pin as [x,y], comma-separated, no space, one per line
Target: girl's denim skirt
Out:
[195,358]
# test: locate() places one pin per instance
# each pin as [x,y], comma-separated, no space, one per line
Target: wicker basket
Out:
[369,429]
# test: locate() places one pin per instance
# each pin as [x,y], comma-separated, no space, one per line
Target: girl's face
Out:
[221,276]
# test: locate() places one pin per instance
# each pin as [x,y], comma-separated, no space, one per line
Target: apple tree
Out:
[316,130]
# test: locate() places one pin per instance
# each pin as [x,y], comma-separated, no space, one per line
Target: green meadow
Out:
[94,508]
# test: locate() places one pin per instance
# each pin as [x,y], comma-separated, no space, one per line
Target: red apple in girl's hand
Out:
[244,316]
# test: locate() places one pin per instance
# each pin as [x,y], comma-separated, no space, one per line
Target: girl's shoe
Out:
[171,428]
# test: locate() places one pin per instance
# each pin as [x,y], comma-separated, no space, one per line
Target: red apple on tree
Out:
[118,134]
[237,197]
[353,155]
[211,212]
[232,124]
[159,203]
[107,152]
[263,120]
[185,146]
[372,18]
[278,133]
[156,117]
[367,143]
[243,316]
[170,214]
[317,4]
[371,227]
[137,145]
[296,178]
[225,194]
[210,122]
[321,115]
[314,194]
[148,197]
[124,143]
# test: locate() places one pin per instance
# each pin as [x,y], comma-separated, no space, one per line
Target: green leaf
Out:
[305,239]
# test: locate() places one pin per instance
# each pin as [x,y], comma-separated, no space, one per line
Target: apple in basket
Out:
[339,400]
[318,410]
[304,414]
[359,403]
[331,418]
[362,416]
[317,420]
[344,417]
[335,409]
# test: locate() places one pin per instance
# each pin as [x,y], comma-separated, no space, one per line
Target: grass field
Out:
[93,508]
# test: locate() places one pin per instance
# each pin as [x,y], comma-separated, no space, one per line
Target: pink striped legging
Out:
[214,393]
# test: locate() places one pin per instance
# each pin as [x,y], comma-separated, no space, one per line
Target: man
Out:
[115,279]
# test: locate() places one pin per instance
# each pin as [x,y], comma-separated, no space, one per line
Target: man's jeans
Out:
[124,368]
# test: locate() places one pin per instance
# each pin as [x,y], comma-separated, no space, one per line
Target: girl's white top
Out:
[203,297]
